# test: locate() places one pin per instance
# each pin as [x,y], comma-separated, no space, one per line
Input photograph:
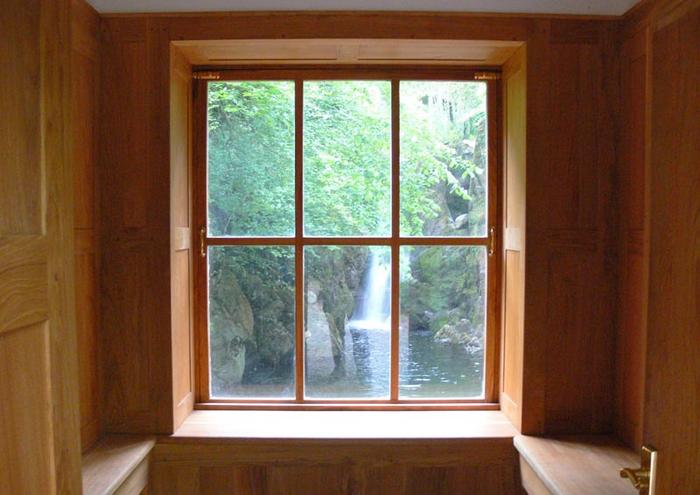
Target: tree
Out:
[347,191]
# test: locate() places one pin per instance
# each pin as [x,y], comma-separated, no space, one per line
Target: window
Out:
[347,230]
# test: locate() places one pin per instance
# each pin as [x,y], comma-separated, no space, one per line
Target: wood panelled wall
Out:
[660,160]
[85,69]
[39,418]
[135,230]
[568,328]
[302,467]
[672,401]
[567,331]
[633,211]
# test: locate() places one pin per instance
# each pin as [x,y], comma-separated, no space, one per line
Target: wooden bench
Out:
[117,464]
[574,465]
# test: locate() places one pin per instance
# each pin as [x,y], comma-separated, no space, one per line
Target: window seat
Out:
[574,465]
[117,464]
[343,425]
[309,452]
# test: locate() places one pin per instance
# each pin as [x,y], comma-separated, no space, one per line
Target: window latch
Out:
[492,241]
[202,242]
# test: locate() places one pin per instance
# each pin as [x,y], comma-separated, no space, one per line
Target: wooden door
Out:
[672,403]
[39,436]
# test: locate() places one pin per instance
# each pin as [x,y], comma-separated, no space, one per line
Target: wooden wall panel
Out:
[26,411]
[577,347]
[127,382]
[570,161]
[338,467]
[134,187]
[39,414]
[672,402]
[86,300]
[124,138]
[633,241]
[569,267]
[85,69]
[20,189]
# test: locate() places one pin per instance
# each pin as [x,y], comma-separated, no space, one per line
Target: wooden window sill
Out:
[117,464]
[343,425]
[574,465]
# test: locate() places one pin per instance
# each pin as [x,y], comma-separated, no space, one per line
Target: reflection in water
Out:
[430,367]
[439,369]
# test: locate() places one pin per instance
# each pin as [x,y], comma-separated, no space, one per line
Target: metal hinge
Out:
[203,242]
[487,76]
[206,76]
[492,241]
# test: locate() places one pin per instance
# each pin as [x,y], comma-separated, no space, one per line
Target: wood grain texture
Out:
[181,234]
[23,274]
[347,51]
[271,452]
[26,464]
[515,135]
[20,155]
[195,465]
[633,240]
[570,161]
[58,167]
[39,413]
[569,283]
[531,483]
[672,402]
[85,71]
[207,425]
[134,187]
[575,465]
[117,464]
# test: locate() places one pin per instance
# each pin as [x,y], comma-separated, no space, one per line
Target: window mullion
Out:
[299,238]
[395,246]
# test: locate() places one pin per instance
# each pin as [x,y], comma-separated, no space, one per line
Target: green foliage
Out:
[347,191]
[251,158]
[347,158]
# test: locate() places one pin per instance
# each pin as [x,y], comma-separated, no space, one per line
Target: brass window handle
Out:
[492,241]
[638,477]
[643,478]
[202,242]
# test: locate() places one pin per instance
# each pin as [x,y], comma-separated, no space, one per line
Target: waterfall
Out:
[373,304]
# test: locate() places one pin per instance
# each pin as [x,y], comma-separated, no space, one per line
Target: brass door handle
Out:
[638,477]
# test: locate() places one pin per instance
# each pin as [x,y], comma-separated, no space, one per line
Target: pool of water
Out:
[429,369]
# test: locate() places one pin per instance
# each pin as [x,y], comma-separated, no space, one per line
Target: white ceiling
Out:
[586,7]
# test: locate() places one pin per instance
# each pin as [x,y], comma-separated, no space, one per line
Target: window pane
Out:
[347,327]
[251,321]
[442,325]
[347,158]
[251,158]
[443,158]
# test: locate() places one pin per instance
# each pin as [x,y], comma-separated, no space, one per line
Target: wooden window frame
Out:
[492,240]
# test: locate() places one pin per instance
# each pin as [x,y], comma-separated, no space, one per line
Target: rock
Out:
[241,310]
[461,221]
[311,297]
[231,327]
[460,333]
